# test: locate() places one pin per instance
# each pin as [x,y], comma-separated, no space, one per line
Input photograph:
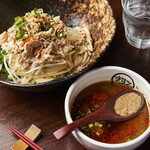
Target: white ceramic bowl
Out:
[107,74]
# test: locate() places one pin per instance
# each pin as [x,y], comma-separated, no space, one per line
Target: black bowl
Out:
[96,14]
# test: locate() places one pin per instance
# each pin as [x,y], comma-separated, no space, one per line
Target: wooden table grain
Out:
[46,110]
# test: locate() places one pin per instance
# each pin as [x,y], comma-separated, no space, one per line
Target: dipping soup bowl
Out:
[110,73]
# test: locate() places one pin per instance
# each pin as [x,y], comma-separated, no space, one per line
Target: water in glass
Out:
[136,19]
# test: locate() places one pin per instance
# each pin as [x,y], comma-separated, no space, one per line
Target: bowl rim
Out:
[88,139]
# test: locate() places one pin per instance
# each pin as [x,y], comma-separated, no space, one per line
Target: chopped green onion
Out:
[83,127]
[78,50]
[49,26]
[69,25]
[54,76]
[46,28]
[65,36]
[61,34]
[20,23]
[128,140]
[86,43]
[101,131]
[30,15]
[97,133]
[52,32]
[1,58]
[32,35]
[52,21]
[23,24]
[53,16]
[35,9]
[20,36]
[53,24]
[38,14]
[10,79]
[19,20]
[89,112]
[29,27]
[96,124]
[100,125]
[4,52]
[4,71]
[36,26]
[20,28]
[91,125]
[46,14]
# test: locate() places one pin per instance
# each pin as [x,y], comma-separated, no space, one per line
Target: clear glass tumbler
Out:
[136,19]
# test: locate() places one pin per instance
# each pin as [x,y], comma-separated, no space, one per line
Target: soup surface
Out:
[94,96]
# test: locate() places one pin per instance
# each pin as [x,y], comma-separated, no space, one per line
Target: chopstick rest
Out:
[32,133]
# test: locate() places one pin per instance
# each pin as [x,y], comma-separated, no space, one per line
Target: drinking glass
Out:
[136,20]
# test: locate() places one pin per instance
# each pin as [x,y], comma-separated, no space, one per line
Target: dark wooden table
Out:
[46,110]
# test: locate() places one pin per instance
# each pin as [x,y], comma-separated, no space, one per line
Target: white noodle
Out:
[1,66]
[8,70]
[37,59]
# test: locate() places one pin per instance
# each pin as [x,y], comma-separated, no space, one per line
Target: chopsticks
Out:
[25,139]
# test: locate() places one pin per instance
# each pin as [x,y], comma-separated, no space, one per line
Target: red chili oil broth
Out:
[94,96]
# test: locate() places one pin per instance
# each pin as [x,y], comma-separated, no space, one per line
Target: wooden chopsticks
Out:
[25,139]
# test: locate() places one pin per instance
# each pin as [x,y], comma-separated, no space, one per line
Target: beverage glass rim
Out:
[124,9]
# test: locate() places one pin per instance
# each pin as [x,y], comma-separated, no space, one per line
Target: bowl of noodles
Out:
[44,44]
